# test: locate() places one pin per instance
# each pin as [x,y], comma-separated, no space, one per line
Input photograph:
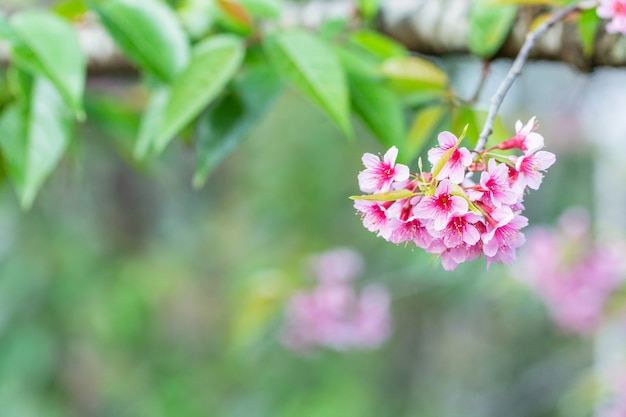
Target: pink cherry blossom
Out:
[616,11]
[525,138]
[440,206]
[337,265]
[379,176]
[373,213]
[529,165]
[461,229]
[502,238]
[334,315]
[574,276]
[494,186]
[454,168]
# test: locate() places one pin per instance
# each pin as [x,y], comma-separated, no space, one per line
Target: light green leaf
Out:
[5,29]
[414,73]
[148,32]
[214,62]
[489,26]
[588,24]
[466,116]
[312,67]
[388,196]
[150,124]
[33,136]
[369,8]
[378,45]
[270,9]
[48,46]
[222,129]
[426,126]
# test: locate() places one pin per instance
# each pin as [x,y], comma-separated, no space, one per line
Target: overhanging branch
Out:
[441,27]
[432,27]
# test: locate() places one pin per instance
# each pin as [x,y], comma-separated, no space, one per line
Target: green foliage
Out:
[224,127]
[311,66]
[588,24]
[149,34]
[489,26]
[214,62]
[34,133]
[47,46]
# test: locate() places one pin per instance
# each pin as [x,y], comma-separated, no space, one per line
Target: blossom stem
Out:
[516,69]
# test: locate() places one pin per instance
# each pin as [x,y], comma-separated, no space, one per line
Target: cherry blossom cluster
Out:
[333,314]
[616,11]
[573,276]
[445,211]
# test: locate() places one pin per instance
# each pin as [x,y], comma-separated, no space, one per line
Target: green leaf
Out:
[588,24]
[148,32]
[150,124]
[5,29]
[378,45]
[33,136]
[414,73]
[378,108]
[48,46]
[466,116]
[489,26]
[223,128]
[388,196]
[214,62]
[369,8]
[312,67]
[269,9]
[425,127]
[71,9]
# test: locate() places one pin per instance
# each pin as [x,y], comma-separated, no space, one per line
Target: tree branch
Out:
[440,28]
[514,71]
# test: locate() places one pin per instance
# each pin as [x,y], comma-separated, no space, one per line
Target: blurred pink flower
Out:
[333,314]
[573,277]
[616,11]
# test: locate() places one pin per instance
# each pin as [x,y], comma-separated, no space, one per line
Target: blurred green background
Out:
[124,292]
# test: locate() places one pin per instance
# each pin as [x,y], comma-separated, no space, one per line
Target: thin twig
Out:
[484,74]
[515,70]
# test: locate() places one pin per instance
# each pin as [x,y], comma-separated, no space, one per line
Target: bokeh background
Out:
[125,292]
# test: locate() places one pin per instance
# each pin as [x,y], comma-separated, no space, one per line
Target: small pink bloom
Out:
[616,11]
[373,213]
[525,138]
[529,165]
[440,206]
[461,229]
[379,176]
[494,185]
[501,239]
[454,168]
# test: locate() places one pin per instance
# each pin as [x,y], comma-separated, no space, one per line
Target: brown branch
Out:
[440,28]
[433,27]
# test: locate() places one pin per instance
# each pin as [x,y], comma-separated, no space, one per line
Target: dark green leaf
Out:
[33,136]
[214,62]
[222,129]
[312,67]
[48,46]
[489,26]
[375,103]
[148,32]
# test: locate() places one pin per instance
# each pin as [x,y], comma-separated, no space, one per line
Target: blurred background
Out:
[125,292]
